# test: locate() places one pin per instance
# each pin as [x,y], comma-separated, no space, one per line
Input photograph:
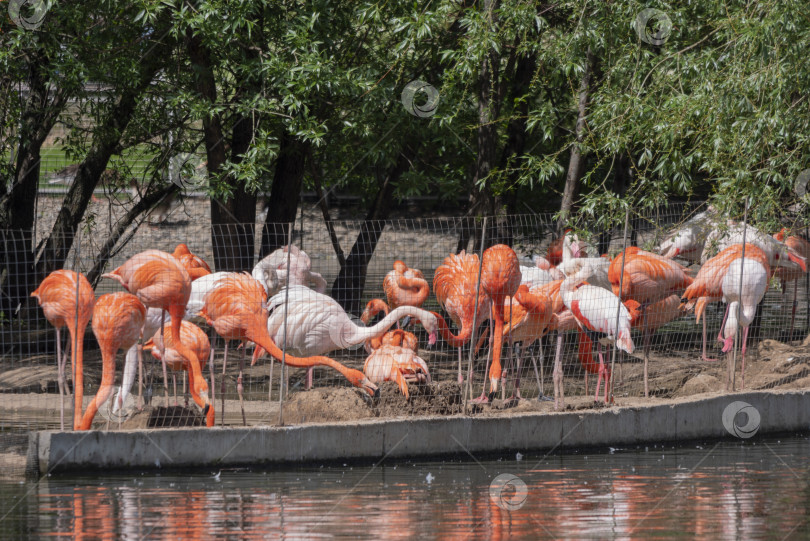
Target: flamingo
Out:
[527,320]
[778,253]
[689,239]
[232,310]
[272,270]
[396,358]
[196,339]
[646,278]
[554,254]
[196,268]
[787,275]
[317,324]
[195,265]
[743,287]
[67,299]
[500,278]
[405,286]
[117,322]
[595,311]
[454,283]
[561,321]
[708,284]
[159,281]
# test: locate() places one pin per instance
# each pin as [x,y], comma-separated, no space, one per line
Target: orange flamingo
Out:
[396,359]
[195,265]
[708,284]
[235,309]
[67,299]
[454,283]
[117,322]
[159,281]
[527,320]
[646,278]
[792,274]
[196,339]
[500,278]
[405,286]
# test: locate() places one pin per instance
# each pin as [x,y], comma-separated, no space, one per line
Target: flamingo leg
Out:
[518,365]
[559,397]
[541,383]
[742,370]
[211,366]
[270,384]
[601,371]
[174,386]
[703,355]
[163,357]
[60,378]
[720,337]
[647,335]
[460,376]
[310,372]
[239,384]
[793,312]
[483,399]
[222,385]
[141,402]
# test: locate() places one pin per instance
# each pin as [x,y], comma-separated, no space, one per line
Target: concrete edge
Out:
[702,418]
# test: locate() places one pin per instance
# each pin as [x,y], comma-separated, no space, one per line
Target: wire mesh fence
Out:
[445,311]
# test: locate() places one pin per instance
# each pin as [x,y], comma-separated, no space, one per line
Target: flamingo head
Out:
[431,324]
[374,307]
[359,379]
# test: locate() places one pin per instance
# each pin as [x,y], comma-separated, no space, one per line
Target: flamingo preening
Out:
[455,284]
[117,322]
[67,300]
[194,264]
[405,286]
[396,358]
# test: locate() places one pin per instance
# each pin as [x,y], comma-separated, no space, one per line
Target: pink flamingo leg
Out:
[601,371]
[222,385]
[483,399]
[310,372]
[559,397]
[239,387]
[725,317]
[460,376]
[60,378]
[742,373]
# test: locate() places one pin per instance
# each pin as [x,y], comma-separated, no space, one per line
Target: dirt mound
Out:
[702,383]
[325,405]
[432,399]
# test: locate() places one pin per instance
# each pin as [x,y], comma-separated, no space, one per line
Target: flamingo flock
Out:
[282,310]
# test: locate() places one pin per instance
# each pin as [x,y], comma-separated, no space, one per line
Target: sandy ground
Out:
[30,397]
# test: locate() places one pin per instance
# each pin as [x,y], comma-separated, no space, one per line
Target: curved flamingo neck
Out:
[455,341]
[358,335]
[104,390]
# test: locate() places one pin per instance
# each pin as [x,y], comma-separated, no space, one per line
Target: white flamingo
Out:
[272,271]
[317,324]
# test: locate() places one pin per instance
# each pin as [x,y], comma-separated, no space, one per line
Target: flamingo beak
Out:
[798,260]
[370,388]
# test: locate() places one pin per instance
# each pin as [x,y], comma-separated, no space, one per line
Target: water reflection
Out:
[729,490]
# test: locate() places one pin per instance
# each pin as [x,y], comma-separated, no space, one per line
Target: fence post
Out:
[619,307]
[468,389]
[284,342]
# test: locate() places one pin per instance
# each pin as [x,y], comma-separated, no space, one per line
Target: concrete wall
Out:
[409,438]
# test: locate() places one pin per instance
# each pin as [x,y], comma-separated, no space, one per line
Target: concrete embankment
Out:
[459,436]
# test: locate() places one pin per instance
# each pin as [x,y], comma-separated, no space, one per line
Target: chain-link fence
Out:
[346,264]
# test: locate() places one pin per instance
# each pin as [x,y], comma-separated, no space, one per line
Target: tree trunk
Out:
[17,205]
[351,281]
[285,193]
[575,161]
[106,139]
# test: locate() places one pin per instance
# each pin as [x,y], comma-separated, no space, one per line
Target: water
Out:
[729,490]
